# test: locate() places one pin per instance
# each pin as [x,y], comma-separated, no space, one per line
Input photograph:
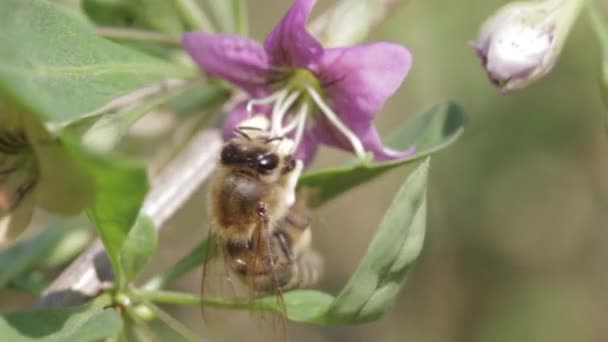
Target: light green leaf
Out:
[307,305]
[230,14]
[382,273]
[159,15]
[599,23]
[53,64]
[430,132]
[138,247]
[89,322]
[335,26]
[120,189]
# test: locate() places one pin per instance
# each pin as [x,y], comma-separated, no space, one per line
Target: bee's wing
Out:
[219,281]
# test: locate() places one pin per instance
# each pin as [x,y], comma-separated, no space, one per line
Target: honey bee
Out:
[258,227]
[254,185]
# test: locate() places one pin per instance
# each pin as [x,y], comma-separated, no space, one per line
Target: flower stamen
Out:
[301,125]
[276,96]
[333,118]
[279,111]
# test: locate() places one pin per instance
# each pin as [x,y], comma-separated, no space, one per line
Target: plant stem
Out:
[139,35]
[174,324]
[180,298]
[193,15]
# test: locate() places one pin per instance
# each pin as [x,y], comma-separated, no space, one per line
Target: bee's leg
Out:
[263,212]
[292,182]
[285,246]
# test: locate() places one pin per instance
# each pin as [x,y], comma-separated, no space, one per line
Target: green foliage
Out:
[137,248]
[89,322]
[430,132]
[120,189]
[25,255]
[53,64]
[230,14]
[158,15]
[599,23]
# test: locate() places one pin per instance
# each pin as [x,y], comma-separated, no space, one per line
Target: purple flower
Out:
[522,41]
[313,94]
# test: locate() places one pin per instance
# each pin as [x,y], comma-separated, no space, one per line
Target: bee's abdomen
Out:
[305,271]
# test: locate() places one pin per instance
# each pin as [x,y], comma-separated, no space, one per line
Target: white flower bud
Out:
[521,42]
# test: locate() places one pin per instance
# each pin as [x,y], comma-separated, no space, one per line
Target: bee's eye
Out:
[290,164]
[268,162]
[230,154]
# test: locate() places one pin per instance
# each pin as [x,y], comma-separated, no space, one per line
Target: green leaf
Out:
[53,64]
[599,23]
[25,255]
[159,15]
[50,248]
[89,322]
[120,189]
[335,26]
[33,283]
[138,247]
[382,273]
[430,132]
[307,305]
[230,14]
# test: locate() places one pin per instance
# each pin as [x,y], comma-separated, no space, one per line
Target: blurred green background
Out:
[516,245]
[518,208]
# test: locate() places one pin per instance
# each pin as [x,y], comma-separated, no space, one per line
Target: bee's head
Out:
[259,156]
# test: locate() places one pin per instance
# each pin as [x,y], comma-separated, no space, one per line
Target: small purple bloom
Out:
[522,41]
[313,94]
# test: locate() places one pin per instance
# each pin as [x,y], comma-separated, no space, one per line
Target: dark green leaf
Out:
[89,322]
[382,272]
[120,189]
[53,64]
[138,247]
[24,256]
[430,132]
[33,282]
[51,247]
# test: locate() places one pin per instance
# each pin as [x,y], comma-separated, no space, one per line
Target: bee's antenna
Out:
[271,139]
[239,131]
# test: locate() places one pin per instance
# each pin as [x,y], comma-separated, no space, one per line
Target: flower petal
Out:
[357,80]
[62,187]
[289,43]
[239,60]
[326,134]
[307,149]
[14,223]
